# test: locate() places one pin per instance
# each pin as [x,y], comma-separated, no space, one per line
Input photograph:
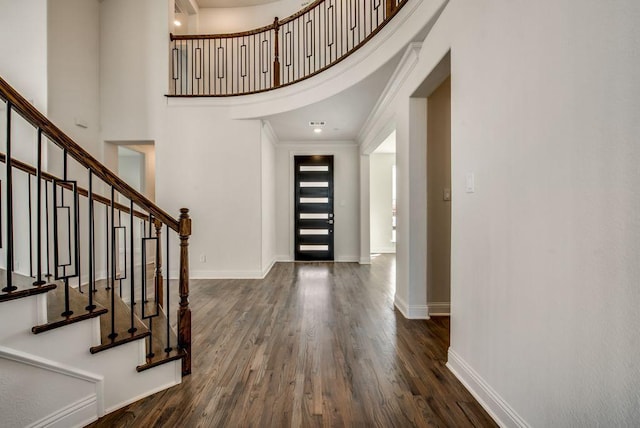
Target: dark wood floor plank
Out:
[311,345]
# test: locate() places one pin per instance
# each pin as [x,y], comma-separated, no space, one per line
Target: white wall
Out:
[73,70]
[212,165]
[346,196]
[268,182]
[236,19]
[133,69]
[380,202]
[131,168]
[544,271]
[23,26]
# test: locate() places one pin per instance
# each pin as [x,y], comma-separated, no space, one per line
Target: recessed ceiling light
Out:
[177,23]
[317,130]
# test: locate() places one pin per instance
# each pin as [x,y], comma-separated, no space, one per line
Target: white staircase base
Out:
[57,364]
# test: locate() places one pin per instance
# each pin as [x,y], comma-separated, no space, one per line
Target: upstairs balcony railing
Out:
[286,52]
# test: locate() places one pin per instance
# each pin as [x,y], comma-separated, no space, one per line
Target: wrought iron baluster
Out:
[39,280]
[9,179]
[113,333]
[151,354]
[106,240]
[30,219]
[132,297]
[47,230]
[167,309]
[92,255]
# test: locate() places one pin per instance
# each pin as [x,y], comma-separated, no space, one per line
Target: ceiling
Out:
[232,3]
[344,113]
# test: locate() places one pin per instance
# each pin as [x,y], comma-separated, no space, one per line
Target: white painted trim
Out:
[439,308]
[399,76]
[488,398]
[285,258]
[151,391]
[271,133]
[347,259]
[365,260]
[63,369]
[67,415]
[266,270]
[413,312]
[224,274]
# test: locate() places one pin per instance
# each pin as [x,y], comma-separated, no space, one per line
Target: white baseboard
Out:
[365,260]
[266,270]
[224,274]
[411,312]
[488,398]
[385,250]
[347,259]
[439,308]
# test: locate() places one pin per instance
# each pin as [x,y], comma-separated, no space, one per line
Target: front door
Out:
[313,207]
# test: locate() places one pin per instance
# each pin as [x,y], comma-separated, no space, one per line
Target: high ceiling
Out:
[232,3]
[344,113]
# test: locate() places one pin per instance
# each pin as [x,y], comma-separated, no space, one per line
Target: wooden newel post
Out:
[184,313]
[276,54]
[158,273]
[391,7]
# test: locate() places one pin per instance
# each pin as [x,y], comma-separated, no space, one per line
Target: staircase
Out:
[86,294]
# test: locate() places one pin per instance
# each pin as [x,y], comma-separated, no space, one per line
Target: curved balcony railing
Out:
[280,54]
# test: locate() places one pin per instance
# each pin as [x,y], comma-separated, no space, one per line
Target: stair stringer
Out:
[69,346]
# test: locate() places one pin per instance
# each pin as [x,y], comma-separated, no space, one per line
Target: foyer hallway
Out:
[313,344]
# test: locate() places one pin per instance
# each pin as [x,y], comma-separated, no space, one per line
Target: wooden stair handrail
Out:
[58,137]
[81,191]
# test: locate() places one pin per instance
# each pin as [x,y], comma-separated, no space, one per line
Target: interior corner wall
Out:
[544,249]
[381,197]
[211,164]
[346,197]
[268,201]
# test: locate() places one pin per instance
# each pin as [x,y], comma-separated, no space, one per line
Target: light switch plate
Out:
[470,182]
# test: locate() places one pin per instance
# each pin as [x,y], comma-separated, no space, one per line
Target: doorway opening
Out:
[135,163]
[433,126]
[382,197]
[439,200]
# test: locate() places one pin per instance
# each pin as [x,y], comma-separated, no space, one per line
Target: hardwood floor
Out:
[313,344]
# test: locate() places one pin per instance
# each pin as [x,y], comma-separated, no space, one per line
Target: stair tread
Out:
[78,306]
[158,354]
[24,286]
[122,321]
